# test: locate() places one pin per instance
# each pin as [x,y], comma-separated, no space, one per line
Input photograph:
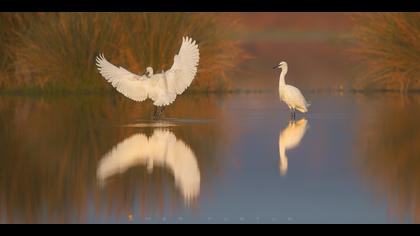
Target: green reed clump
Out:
[59,51]
[388,44]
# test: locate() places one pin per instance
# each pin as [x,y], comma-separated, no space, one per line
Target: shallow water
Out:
[226,159]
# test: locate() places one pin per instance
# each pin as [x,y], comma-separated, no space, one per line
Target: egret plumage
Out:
[161,88]
[290,94]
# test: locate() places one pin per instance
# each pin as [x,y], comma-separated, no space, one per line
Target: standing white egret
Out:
[162,88]
[290,94]
[290,138]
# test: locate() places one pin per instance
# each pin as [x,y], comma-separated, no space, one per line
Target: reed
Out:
[58,51]
[388,45]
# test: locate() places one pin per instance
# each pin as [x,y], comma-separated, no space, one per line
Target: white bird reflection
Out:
[290,138]
[163,149]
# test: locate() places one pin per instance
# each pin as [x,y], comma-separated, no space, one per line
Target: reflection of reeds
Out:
[59,49]
[389,46]
[51,148]
[388,152]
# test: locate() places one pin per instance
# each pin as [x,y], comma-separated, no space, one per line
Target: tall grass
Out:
[156,38]
[388,44]
[10,26]
[58,52]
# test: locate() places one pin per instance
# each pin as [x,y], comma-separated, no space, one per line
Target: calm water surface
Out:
[226,159]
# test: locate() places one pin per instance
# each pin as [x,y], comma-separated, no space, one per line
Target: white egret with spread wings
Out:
[161,88]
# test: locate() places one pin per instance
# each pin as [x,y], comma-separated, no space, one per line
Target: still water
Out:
[215,159]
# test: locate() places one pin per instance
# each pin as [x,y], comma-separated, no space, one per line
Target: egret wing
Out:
[295,97]
[185,65]
[129,84]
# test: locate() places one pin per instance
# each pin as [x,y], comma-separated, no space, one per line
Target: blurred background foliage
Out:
[387,46]
[56,51]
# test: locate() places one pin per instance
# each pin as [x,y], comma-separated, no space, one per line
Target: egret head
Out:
[281,65]
[149,71]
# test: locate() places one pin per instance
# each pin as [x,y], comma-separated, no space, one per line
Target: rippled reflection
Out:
[388,152]
[54,151]
[162,149]
[290,138]
[51,148]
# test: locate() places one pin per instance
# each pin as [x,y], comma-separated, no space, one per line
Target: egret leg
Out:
[294,114]
[161,111]
[158,112]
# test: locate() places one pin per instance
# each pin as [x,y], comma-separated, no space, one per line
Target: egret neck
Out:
[283,73]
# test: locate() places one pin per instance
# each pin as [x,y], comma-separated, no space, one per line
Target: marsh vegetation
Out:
[388,47]
[56,51]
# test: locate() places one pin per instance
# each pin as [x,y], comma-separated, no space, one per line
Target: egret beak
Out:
[275,67]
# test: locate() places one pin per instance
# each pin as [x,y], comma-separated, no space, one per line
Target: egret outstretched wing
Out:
[162,88]
[131,85]
[185,65]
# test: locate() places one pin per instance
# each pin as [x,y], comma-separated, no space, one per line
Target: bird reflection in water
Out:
[161,149]
[290,138]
